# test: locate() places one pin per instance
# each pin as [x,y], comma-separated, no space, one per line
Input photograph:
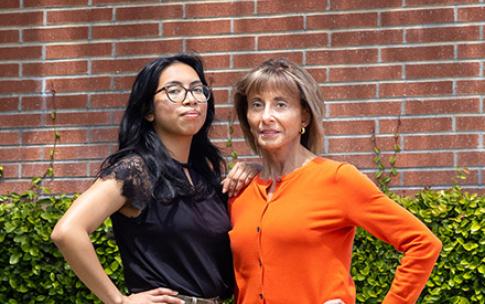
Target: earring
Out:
[302,130]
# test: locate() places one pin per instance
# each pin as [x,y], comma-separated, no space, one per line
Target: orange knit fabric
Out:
[297,248]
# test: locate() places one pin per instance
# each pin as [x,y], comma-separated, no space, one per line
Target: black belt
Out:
[196,300]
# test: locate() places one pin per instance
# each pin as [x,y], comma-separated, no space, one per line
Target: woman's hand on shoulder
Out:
[157,295]
[239,177]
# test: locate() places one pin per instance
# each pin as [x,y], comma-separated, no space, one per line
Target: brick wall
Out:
[420,62]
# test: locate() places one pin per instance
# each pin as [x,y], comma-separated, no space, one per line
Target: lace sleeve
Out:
[133,173]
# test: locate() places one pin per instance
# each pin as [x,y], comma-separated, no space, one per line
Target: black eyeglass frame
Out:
[204,88]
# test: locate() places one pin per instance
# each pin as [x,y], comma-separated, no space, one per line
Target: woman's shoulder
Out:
[124,167]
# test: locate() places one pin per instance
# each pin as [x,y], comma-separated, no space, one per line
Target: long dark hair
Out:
[137,136]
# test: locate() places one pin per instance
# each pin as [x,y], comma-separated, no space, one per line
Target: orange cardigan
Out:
[297,248]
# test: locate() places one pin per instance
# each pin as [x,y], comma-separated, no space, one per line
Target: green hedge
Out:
[33,271]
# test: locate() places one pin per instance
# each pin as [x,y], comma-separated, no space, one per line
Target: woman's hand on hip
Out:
[157,295]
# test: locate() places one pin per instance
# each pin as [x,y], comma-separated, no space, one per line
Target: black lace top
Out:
[183,245]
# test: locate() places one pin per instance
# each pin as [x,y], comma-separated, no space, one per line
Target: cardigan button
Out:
[261,296]
[258,229]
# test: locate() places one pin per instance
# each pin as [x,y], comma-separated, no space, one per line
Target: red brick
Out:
[78,50]
[9,104]
[369,37]
[80,15]
[445,70]
[221,95]
[293,41]
[476,158]
[252,60]
[222,79]
[20,120]
[81,118]
[79,84]
[119,65]
[84,152]
[470,87]
[437,2]
[224,114]
[21,19]
[19,86]
[221,44]
[415,88]
[471,123]
[417,17]
[116,117]
[443,34]
[21,153]
[9,70]
[196,28]
[346,21]
[435,178]
[49,103]
[453,106]
[350,144]
[148,47]
[471,50]
[229,9]
[121,2]
[346,127]
[278,24]
[361,161]
[471,14]
[123,83]
[124,31]
[319,74]
[440,142]
[9,137]
[17,186]
[274,7]
[240,147]
[10,4]
[415,125]
[10,171]
[70,186]
[9,36]
[48,137]
[77,169]
[159,12]
[363,109]
[417,53]
[365,73]
[216,62]
[362,4]
[342,56]
[56,34]
[418,160]
[109,100]
[51,3]
[55,68]
[100,135]
[365,91]
[218,131]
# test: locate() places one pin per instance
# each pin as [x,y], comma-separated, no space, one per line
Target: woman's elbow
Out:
[60,234]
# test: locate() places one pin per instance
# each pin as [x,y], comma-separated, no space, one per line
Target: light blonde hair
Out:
[281,73]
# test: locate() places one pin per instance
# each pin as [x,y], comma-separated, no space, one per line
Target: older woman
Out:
[294,225]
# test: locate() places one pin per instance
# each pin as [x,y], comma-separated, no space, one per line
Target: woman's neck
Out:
[282,162]
[178,147]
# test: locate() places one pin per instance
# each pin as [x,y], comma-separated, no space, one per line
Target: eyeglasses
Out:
[177,93]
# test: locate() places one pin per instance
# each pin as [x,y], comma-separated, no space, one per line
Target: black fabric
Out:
[183,245]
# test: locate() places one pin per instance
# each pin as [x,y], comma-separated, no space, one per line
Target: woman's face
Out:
[275,118]
[183,118]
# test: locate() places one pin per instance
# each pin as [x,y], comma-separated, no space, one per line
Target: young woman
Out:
[162,191]
[294,224]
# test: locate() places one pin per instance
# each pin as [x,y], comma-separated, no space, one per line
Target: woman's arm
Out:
[366,206]
[71,235]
